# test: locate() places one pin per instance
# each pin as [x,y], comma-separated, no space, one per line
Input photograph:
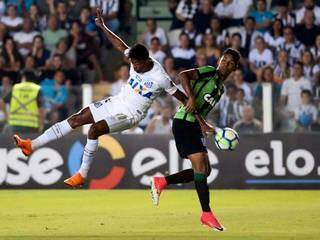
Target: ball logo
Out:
[111,179]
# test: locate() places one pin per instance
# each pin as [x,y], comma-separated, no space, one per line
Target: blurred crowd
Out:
[279,42]
[56,45]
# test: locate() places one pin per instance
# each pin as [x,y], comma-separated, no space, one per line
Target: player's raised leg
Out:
[202,169]
[96,130]
[55,132]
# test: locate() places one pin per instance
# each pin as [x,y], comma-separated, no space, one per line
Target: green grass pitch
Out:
[129,214]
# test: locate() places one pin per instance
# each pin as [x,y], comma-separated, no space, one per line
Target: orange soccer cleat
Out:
[75,181]
[23,144]
[210,220]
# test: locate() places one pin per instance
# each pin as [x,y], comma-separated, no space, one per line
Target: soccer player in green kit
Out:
[204,88]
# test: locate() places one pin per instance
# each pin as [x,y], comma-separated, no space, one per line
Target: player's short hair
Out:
[234,54]
[138,52]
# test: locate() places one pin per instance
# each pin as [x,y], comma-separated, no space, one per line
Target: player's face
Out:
[226,65]
[138,65]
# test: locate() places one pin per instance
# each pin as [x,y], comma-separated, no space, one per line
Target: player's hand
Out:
[191,104]
[99,19]
[207,129]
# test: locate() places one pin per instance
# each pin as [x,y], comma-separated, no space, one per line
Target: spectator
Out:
[110,10]
[310,70]
[168,64]
[248,124]
[263,18]
[248,35]
[260,57]
[201,58]
[228,108]
[315,50]
[186,9]
[191,31]
[3,33]
[122,78]
[293,47]
[306,113]
[203,16]
[213,53]
[30,66]
[12,57]
[282,67]
[39,22]
[242,9]
[308,5]
[12,21]
[87,22]
[236,40]
[46,7]
[216,31]
[267,76]
[155,50]
[76,7]
[240,84]
[53,34]
[172,7]
[64,20]
[284,15]
[154,31]
[275,38]
[241,102]
[39,52]
[25,37]
[292,87]
[161,124]
[55,96]
[224,10]
[183,54]
[67,53]
[5,90]
[25,111]
[86,49]
[307,31]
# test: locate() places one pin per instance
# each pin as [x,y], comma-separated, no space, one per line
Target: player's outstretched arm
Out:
[113,38]
[185,78]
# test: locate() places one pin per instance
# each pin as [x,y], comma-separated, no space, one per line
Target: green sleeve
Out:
[206,71]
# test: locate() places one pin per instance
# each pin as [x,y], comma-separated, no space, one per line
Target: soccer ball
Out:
[226,139]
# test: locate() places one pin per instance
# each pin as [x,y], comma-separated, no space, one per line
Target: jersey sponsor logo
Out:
[140,89]
[148,84]
[209,99]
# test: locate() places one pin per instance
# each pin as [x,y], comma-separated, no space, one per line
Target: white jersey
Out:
[126,109]
[142,88]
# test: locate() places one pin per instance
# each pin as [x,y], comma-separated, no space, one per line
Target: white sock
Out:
[55,132]
[88,155]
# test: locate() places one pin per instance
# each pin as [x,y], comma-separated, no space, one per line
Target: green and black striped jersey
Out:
[207,91]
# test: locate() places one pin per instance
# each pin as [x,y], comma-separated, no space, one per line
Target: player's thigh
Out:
[200,162]
[114,113]
[81,118]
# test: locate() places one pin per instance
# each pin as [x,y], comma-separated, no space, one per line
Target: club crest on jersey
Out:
[148,84]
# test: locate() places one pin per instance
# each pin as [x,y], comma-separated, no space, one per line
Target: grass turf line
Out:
[129,214]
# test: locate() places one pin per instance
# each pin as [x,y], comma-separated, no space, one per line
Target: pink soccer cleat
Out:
[157,185]
[208,218]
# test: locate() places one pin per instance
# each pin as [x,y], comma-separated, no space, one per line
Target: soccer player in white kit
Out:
[146,81]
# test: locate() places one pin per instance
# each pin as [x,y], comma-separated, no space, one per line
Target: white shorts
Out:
[115,113]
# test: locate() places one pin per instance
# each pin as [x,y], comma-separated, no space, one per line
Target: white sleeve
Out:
[251,56]
[168,85]
[270,57]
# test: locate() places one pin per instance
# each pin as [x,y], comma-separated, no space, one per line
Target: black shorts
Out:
[188,137]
